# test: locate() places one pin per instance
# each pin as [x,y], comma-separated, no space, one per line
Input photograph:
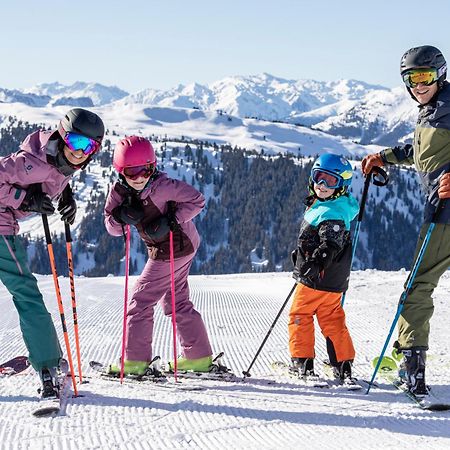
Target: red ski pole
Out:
[125,302]
[174,314]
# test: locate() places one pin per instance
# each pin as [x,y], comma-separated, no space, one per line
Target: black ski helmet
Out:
[425,56]
[80,121]
[84,122]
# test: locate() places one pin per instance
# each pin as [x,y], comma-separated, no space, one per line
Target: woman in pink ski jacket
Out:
[30,180]
[156,204]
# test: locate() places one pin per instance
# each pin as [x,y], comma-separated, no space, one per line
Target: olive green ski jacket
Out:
[430,152]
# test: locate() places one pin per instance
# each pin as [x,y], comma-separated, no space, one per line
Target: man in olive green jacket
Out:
[424,70]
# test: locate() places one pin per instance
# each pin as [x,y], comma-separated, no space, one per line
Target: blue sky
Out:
[159,44]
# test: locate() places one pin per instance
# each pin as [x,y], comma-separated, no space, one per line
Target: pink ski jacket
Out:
[20,170]
[154,199]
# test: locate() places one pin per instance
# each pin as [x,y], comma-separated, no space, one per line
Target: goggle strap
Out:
[442,70]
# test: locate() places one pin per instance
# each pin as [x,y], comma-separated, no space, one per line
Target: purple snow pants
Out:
[154,285]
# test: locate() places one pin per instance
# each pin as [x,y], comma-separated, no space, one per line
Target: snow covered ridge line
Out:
[348,108]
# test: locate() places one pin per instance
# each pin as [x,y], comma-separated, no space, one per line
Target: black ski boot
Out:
[50,385]
[343,370]
[415,371]
[303,367]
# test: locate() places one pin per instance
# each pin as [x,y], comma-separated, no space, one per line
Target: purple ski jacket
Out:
[20,170]
[154,198]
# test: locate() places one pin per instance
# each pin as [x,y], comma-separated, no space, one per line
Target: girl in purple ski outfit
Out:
[30,180]
[155,204]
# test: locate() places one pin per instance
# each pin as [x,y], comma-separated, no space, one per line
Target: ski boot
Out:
[192,365]
[302,367]
[414,364]
[136,368]
[343,370]
[50,383]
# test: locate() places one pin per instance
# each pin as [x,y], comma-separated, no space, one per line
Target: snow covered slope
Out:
[238,311]
[211,126]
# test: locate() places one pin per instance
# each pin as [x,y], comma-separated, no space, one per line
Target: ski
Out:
[327,380]
[51,406]
[164,377]
[14,366]
[309,381]
[388,370]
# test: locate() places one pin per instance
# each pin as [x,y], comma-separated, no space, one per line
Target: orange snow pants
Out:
[330,316]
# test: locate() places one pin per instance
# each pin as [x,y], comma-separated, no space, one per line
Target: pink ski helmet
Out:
[133,151]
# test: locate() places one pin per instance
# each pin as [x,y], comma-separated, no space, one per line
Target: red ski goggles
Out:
[76,142]
[415,76]
[329,180]
[146,170]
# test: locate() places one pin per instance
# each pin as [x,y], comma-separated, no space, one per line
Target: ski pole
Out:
[246,373]
[74,302]
[383,181]
[51,255]
[174,314]
[125,301]
[407,289]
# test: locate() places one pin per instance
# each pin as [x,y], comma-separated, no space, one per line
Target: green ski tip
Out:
[388,364]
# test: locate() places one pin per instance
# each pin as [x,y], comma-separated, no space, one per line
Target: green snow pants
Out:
[414,321]
[35,321]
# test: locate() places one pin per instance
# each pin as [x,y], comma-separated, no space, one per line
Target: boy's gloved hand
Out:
[130,212]
[311,269]
[67,206]
[444,186]
[159,228]
[37,201]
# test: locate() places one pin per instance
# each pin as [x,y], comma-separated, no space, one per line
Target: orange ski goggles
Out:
[415,76]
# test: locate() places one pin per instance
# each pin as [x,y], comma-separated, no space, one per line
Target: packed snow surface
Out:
[267,411]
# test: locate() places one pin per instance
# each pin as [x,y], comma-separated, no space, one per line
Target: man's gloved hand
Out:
[37,201]
[371,161]
[444,186]
[159,228]
[311,269]
[130,212]
[67,206]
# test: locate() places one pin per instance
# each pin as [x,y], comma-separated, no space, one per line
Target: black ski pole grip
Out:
[380,177]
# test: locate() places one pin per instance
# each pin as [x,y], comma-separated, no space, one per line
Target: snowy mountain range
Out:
[350,109]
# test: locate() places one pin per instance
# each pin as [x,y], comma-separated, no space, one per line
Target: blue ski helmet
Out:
[332,170]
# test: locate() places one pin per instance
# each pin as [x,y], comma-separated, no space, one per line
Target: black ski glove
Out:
[67,206]
[130,212]
[159,228]
[311,269]
[37,201]
[324,254]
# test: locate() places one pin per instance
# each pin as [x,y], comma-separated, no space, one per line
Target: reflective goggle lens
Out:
[329,180]
[145,170]
[77,142]
[425,76]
